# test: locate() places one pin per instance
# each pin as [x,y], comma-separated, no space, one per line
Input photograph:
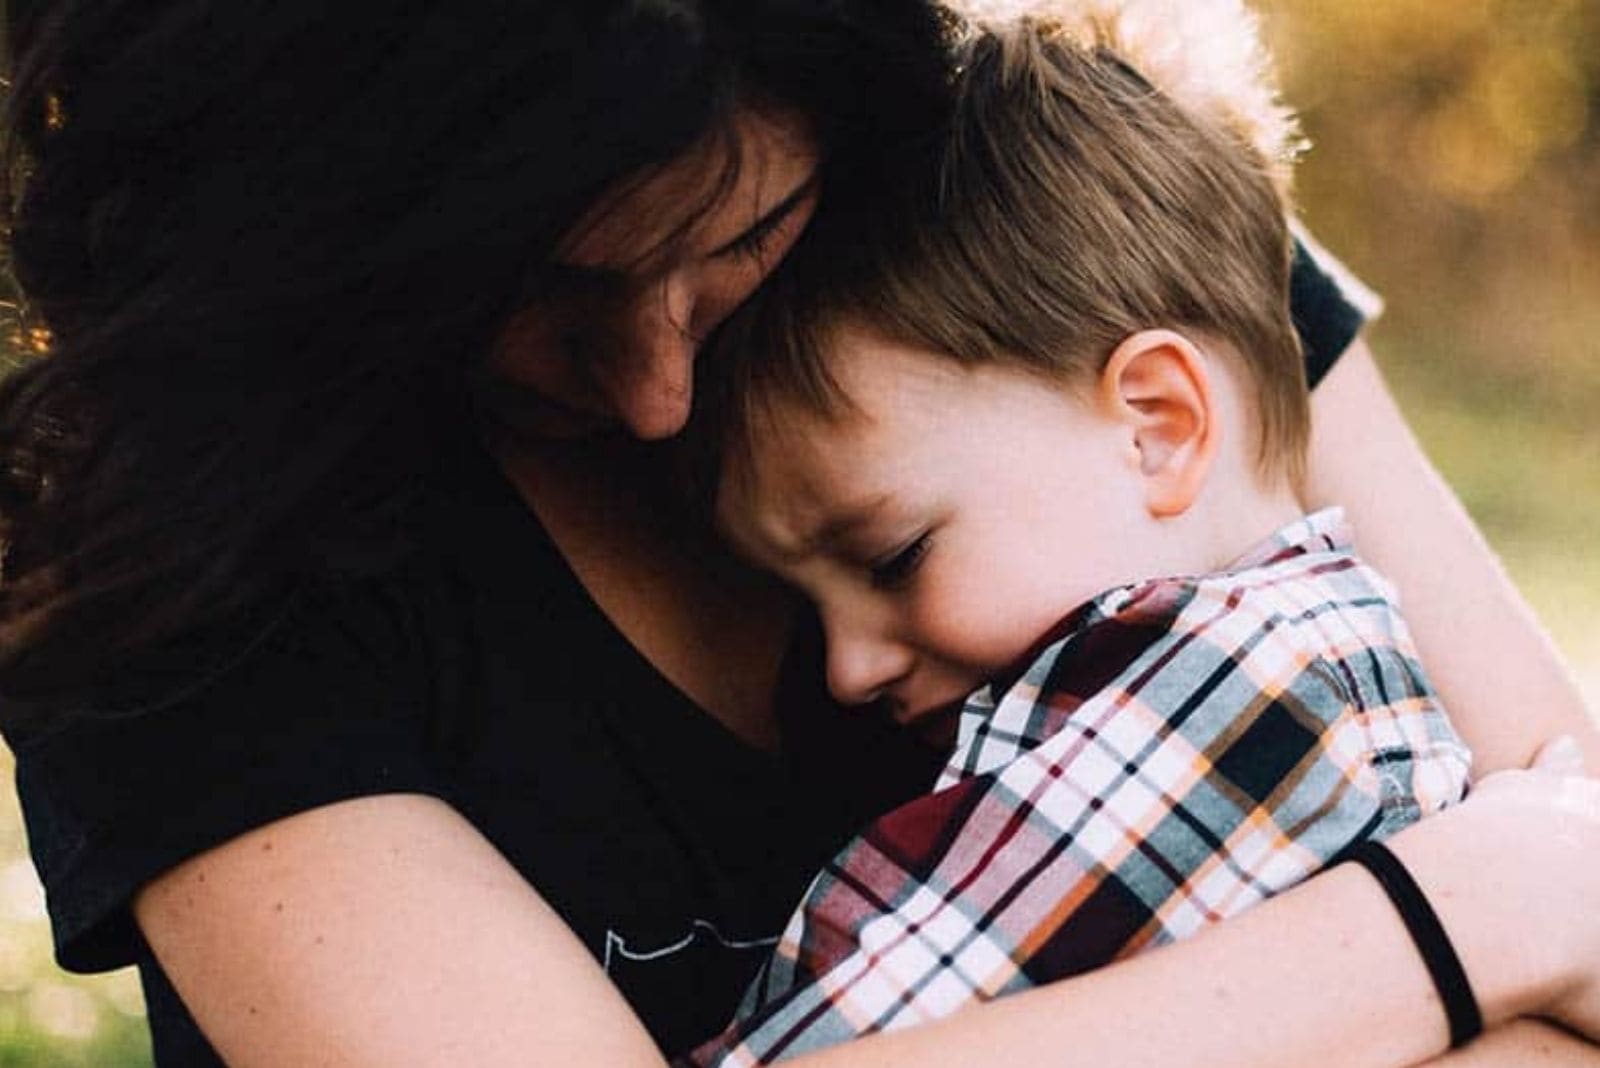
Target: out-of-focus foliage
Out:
[1457,161]
[49,1019]
[1456,166]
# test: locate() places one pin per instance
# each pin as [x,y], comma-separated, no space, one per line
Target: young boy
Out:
[1063,368]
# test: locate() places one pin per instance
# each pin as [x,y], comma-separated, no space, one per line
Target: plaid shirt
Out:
[1177,751]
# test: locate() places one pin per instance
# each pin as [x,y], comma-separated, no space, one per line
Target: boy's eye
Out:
[895,571]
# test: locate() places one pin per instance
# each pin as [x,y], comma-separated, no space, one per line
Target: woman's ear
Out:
[1158,384]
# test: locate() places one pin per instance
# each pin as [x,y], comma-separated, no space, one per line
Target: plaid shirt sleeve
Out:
[1186,749]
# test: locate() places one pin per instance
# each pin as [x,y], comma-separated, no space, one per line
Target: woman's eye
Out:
[752,246]
[753,243]
[895,571]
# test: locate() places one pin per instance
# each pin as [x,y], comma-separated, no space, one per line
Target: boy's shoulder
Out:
[1301,601]
[1304,588]
[1299,613]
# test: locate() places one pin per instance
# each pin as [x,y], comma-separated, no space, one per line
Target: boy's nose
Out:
[862,666]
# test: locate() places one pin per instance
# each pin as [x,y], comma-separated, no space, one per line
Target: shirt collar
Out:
[1323,531]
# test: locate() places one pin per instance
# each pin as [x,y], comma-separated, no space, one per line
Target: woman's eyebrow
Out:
[585,277]
[772,219]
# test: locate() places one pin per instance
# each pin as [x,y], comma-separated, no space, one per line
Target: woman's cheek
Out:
[529,352]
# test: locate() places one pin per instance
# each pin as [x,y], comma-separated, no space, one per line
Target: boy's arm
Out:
[1497,670]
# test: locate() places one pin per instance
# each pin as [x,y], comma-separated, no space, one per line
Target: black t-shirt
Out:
[480,672]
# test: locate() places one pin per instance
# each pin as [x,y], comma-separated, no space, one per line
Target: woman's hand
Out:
[1556,785]
[1514,873]
[1528,1041]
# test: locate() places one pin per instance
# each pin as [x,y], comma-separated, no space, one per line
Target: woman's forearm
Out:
[1501,677]
[1275,986]
[1318,976]
[1524,1044]
[1325,973]
[309,951]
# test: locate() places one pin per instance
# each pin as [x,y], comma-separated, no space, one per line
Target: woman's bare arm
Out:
[1524,1044]
[384,931]
[1499,674]
[387,932]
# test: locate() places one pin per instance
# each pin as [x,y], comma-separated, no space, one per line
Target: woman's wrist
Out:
[1520,958]
[1433,943]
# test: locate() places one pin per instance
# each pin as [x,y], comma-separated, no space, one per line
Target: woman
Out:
[370,689]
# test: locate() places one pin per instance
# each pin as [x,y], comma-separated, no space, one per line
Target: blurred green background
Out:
[1456,167]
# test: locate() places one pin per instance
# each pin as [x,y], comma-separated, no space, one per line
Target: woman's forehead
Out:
[700,201]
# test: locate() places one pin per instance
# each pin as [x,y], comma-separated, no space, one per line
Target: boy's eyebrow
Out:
[773,218]
[846,520]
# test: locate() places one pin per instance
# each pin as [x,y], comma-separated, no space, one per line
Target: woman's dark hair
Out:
[272,242]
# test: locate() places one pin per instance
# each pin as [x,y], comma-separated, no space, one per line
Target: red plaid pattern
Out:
[1179,750]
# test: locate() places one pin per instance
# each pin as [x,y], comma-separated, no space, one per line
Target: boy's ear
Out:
[1158,383]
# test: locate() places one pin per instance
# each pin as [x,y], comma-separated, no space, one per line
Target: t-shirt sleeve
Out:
[1329,305]
[329,702]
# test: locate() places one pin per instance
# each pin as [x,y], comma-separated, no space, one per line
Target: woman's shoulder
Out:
[316,701]
[342,687]
[1329,305]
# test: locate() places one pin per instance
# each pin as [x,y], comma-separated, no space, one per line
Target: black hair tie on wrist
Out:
[1422,923]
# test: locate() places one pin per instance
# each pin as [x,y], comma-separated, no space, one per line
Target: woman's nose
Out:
[650,383]
[862,665]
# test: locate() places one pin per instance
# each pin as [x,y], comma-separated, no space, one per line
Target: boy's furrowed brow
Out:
[773,218]
[843,522]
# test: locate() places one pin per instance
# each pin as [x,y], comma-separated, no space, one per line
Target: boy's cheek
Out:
[976,633]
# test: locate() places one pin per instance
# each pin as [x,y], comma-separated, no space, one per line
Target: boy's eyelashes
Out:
[894,571]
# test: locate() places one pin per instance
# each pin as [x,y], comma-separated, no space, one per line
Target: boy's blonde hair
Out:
[1068,204]
[1206,55]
